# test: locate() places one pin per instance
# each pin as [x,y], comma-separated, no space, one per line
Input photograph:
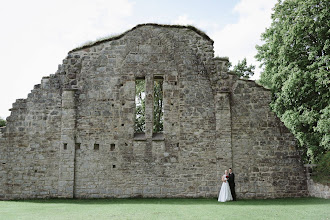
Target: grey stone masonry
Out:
[316,189]
[73,136]
[68,145]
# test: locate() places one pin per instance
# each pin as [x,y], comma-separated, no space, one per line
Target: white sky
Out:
[36,35]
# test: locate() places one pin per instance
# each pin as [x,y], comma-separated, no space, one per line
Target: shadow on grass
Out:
[178,201]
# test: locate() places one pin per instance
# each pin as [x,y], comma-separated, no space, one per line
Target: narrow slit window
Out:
[96,146]
[158,105]
[140,94]
[65,146]
[112,147]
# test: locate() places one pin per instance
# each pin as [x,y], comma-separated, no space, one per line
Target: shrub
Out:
[322,171]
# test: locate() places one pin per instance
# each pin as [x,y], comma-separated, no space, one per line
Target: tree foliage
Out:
[322,171]
[243,70]
[158,106]
[295,57]
[2,122]
[140,122]
[140,106]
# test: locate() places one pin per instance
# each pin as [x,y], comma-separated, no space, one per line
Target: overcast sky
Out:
[36,35]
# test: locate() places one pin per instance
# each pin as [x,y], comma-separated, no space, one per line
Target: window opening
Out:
[140,106]
[158,105]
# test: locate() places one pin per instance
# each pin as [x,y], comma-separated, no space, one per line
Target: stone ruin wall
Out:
[74,134]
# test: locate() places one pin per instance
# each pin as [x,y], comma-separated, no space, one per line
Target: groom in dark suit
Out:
[231,182]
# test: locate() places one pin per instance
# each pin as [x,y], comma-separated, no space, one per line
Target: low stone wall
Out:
[316,189]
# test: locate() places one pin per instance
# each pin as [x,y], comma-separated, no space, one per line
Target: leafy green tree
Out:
[243,70]
[322,171]
[2,122]
[140,108]
[295,57]
[158,106]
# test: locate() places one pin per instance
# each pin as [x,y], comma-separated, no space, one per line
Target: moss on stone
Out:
[116,37]
[222,58]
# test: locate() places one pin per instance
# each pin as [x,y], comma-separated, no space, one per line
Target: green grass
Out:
[301,208]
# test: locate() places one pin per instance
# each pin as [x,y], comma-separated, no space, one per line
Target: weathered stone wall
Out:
[316,189]
[174,166]
[29,148]
[265,157]
[74,135]
[3,160]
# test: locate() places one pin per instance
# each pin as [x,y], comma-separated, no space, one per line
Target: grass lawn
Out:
[300,208]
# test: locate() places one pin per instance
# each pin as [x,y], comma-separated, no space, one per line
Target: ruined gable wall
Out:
[29,150]
[212,121]
[177,165]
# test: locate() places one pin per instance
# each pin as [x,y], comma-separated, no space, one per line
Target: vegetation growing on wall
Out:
[116,37]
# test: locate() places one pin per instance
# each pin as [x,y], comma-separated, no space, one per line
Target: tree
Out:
[158,106]
[2,122]
[295,57]
[140,121]
[243,70]
[140,106]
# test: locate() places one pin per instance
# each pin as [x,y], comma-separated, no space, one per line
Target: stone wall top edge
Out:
[221,58]
[70,89]
[310,165]
[199,32]
[21,102]
[249,81]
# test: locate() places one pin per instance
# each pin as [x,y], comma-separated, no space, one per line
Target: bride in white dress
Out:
[225,194]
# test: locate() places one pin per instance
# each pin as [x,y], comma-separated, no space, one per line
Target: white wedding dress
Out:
[225,194]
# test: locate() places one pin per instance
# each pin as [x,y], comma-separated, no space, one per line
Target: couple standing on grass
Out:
[227,191]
